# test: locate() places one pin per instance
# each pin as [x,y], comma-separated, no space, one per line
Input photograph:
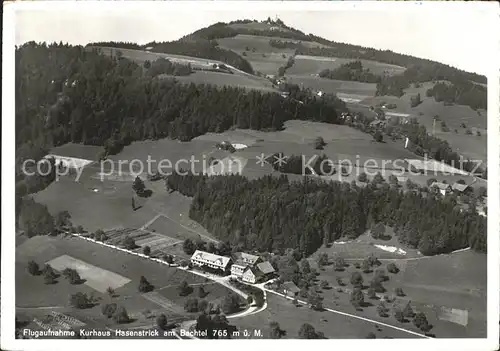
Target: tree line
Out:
[353,71]
[273,214]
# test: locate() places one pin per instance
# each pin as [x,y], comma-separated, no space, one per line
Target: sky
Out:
[459,36]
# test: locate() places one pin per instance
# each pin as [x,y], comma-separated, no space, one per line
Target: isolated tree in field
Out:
[201,292]
[49,277]
[35,219]
[121,316]
[356,279]
[399,292]
[380,274]
[376,284]
[129,243]
[319,143]
[314,300]
[147,64]
[108,309]
[415,100]
[249,300]
[373,261]
[408,311]
[398,314]
[74,277]
[184,289]
[80,300]
[357,297]
[392,268]
[322,259]
[305,267]
[110,291]
[307,331]
[365,266]
[339,263]
[230,303]
[144,285]
[191,305]
[275,331]
[33,268]
[189,247]
[363,177]
[420,320]
[371,293]
[378,136]
[382,309]
[138,185]
[62,219]
[146,250]
[162,322]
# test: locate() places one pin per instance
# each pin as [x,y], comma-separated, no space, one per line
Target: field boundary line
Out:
[356,317]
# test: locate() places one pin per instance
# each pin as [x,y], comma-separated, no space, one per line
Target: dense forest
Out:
[274,214]
[351,71]
[68,94]
[203,49]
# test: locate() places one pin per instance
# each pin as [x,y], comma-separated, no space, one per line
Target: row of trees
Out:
[272,214]
[164,66]
[470,94]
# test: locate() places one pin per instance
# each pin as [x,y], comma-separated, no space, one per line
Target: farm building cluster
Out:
[249,268]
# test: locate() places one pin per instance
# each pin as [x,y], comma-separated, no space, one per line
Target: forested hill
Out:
[69,94]
[273,214]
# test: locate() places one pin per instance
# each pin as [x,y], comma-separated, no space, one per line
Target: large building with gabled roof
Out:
[209,260]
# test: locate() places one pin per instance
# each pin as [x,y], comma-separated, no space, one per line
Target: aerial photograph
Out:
[257,174]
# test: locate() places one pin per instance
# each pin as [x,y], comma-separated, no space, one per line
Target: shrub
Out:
[33,268]
[80,300]
[146,250]
[392,268]
[191,305]
[184,289]
[144,285]
[356,279]
[399,292]
[108,309]
[121,316]
[162,322]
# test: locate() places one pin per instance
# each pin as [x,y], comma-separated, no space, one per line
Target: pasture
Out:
[311,65]
[290,319]
[330,86]
[449,289]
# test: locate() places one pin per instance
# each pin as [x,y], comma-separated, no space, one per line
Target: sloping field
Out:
[263,57]
[331,86]
[307,65]
[449,289]
[472,146]
[291,318]
[224,79]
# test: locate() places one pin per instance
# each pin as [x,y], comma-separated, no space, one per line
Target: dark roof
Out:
[265,267]
[459,187]
[290,286]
